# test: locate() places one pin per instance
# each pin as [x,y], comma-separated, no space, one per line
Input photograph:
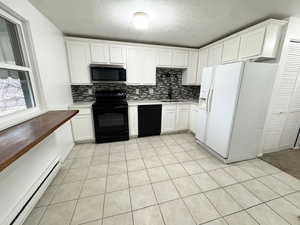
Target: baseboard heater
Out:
[34,194]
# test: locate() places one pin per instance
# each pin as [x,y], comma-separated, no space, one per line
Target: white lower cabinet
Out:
[82,125]
[133,120]
[182,117]
[193,118]
[168,118]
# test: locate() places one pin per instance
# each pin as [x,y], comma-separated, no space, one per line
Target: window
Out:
[16,81]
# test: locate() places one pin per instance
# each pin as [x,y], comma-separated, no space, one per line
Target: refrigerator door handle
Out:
[210,100]
[207,101]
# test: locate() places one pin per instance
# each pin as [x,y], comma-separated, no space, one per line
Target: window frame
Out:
[19,116]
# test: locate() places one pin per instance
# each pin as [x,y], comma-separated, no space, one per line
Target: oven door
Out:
[111,123]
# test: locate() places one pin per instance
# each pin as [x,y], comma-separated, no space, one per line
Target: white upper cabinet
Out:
[202,62]
[117,54]
[165,57]
[172,58]
[79,61]
[252,43]
[141,66]
[215,55]
[189,76]
[100,53]
[231,50]
[180,58]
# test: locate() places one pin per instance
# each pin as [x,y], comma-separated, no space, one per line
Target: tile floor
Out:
[165,180]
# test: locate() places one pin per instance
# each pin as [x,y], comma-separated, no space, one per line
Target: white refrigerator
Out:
[232,121]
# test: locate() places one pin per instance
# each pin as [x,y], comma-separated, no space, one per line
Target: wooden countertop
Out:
[19,139]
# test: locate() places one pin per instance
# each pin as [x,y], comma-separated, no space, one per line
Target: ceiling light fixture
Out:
[140,20]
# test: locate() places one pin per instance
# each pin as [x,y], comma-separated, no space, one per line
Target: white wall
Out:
[50,52]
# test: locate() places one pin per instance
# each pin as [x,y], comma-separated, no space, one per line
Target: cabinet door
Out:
[133,66]
[189,76]
[168,120]
[100,53]
[182,119]
[133,120]
[202,62]
[117,54]
[193,121]
[252,43]
[79,61]
[231,50]
[82,128]
[149,67]
[215,55]
[180,58]
[165,57]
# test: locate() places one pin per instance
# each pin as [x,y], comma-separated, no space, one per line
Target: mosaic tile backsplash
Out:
[165,78]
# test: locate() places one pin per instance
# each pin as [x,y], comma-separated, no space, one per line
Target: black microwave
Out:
[106,73]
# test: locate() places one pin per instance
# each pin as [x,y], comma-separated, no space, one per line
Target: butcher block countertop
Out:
[19,139]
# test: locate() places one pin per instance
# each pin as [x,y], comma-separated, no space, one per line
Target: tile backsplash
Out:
[165,78]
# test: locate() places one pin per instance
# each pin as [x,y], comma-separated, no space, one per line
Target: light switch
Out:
[151,91]
[137,91]
[90,91]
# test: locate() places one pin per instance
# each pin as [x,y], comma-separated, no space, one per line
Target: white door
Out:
[180,58]
[252,43]
[79,61]
[202,63]
[82,128]
[100,53]
[165,57]
[222,108]
[117,54]
[201,125]
[231,50]
[207,78]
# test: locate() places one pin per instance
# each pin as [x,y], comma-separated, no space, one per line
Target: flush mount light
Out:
[140,20]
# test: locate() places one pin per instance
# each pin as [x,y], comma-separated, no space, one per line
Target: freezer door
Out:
[223,100]
[207,77]
[201,125]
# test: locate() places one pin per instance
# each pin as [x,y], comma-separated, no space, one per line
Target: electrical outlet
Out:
[151,91]
[137,91]
[90,91]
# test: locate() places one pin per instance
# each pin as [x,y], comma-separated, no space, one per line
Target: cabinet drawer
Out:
[83,111]
[183,107]
[169,108]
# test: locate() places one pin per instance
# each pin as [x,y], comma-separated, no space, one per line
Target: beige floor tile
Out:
[237,173]
[168,159]
[135,164]
[116,157]
[117,182]
[201,209]
[260,190]
[125,219]
[78,174]
[152,162]
[198,154]
[81,162]
[205,182]
[240,218]
[97,171]
[148,216]
[67,192]
[99,160]
[223,202]
[276,185]
[117,203]
[58,214]
[137,178]
[186,186]
[58,179]
[94,186]
[286,210]
[210,164]
[182,156]
[288,179]
[158,174]
[35,216]
[265,216]
[176,213]
[176,148]
[142,196]
[242,196]
[88,209]
[165,191]
[266,167]
[133,155]
[176,170]
[192,167]
[217,222]
[294,198]
[251,169]
[47,196]
[222,178]
[117,168]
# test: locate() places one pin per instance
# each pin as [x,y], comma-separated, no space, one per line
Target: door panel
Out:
[223,105]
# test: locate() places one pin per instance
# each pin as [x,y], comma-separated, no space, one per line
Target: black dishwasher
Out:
[149,120]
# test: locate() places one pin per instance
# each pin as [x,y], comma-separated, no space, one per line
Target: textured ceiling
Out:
[176,22]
